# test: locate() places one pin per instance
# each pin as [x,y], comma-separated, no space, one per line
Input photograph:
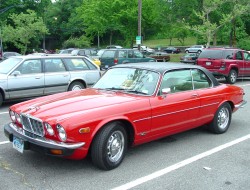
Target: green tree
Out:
[25,28]
[210,24]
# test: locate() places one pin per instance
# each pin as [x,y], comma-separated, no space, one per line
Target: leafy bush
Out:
[80,42]
[244,43]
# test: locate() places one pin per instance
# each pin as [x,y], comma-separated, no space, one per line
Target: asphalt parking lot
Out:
[196,159]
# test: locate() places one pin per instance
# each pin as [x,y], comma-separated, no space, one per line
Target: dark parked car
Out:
[130,105]
[172,50]
[114,47]
[189,58]
[111,57]
[159,56]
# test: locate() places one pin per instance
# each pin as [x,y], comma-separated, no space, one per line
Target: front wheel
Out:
[222,119]
[232,77]
[76,86]
[109,146]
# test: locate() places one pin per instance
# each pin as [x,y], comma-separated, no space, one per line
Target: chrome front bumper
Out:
[11,130]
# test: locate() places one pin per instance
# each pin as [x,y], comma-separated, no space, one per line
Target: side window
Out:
[177,81]
[108,54]
[246,56]
[30,67]
[138,54]
[90,65]
[239,56]
[200,79]
[130,54]
[122,54]
[81,52]
[76,64]
[54,65]
[228,54]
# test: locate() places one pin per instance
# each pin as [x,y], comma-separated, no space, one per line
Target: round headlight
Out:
[49,129]
[18,118]
[12,115]
[61,132]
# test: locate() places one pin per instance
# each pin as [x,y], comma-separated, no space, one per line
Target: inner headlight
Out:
[18,118]
[12,116]
[61,132]
[49,129]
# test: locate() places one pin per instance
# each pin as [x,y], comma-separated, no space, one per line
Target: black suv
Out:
[112,57]
[228,62]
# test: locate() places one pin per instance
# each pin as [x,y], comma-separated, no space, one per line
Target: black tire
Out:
[222,119]
[199,51]
[109,146]
[186,51]
[1,99]
[76,86]
[232,77]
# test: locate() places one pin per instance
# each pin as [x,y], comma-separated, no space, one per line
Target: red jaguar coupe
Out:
[131,104]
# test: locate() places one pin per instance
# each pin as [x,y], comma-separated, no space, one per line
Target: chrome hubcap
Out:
[115,146]
[223,118]
[76,87]
[233,77]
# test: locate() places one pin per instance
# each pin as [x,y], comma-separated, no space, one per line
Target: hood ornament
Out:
[33,108]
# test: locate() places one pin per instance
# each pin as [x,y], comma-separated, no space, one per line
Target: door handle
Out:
[194,95]
[37,77]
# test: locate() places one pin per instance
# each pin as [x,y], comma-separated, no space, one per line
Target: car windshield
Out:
[129,80]
[8,64]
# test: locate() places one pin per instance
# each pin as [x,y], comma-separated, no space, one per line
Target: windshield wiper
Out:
[113,88]
[136,92]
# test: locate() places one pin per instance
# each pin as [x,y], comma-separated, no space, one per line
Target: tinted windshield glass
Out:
[8,64]
[129,80]
[213,54]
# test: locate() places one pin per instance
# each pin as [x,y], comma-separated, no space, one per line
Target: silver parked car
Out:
[195,49]
[31,76]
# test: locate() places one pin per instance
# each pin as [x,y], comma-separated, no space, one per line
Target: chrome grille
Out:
[32,125]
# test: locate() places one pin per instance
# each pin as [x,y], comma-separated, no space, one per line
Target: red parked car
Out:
[131,104]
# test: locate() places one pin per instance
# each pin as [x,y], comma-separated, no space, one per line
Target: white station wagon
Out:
[30,76]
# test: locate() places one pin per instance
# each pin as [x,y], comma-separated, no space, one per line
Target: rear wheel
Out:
[109,146]
[222,119]
[76,86]
[232,77]
[186,51]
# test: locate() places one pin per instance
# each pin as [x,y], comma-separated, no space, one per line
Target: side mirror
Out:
[15,73]
[166,91]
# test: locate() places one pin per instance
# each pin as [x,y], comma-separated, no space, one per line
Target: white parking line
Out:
[4,142]
[178,165]
[3,113]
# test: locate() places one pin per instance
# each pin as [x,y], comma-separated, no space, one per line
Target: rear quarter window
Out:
[76,64]
[213,54]
[108,54]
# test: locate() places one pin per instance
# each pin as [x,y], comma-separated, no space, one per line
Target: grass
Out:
[166,42]
[176,57]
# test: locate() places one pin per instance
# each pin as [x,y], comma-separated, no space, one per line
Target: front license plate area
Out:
[18,144]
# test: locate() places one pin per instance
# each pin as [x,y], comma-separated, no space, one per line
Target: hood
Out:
[73,102]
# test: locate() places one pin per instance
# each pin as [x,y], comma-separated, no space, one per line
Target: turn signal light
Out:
[56,152]
[84,130]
